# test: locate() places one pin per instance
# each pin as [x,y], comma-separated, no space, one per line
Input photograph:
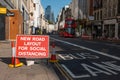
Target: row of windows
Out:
[98,15]
[108,10]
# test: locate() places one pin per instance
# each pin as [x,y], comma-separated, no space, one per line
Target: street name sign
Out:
[32,46]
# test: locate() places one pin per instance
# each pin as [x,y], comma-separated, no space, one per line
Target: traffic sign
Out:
[32,46]
[3,10]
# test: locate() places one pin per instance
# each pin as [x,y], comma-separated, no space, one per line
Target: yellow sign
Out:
[3,10]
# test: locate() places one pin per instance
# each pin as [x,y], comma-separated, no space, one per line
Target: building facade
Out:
[106,14]
[118,18]
[98,18]
[79,9]
[8,4]
[110,24]
[36,16]
[26,15]
[24,8]
[43,21]
[82,12]
[65,13]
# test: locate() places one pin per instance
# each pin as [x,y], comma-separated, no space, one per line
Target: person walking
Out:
[94,34]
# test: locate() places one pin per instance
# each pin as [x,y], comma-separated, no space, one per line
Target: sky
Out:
[56,5]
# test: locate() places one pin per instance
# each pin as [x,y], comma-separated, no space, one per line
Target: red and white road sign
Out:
[32,46]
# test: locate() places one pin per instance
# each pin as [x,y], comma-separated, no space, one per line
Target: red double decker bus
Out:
[69,28]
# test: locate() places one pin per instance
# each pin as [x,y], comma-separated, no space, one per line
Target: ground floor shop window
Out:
[112,31]
[106,31]
[119,30]
[97,29]
[2,27]
[109,31]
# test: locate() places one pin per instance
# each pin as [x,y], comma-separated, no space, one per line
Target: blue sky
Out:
[56,5]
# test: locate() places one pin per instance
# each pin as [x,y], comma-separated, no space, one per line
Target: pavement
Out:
[115,41]
[41,70]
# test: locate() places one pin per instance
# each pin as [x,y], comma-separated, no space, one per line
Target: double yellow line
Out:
[63,72]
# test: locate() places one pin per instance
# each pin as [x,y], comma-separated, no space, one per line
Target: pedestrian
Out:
[105,34]
[94,34]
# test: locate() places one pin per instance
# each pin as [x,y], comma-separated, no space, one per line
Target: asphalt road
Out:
[87,60]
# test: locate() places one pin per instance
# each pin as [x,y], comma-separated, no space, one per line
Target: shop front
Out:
[89,25]
[2,27]
[110,29]
[119,30]
[3,12]
[97,28]
[118,27]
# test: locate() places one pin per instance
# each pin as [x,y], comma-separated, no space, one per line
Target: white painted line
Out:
[61,57]
[71,74]
[65,57]
[74,57]
[102,53]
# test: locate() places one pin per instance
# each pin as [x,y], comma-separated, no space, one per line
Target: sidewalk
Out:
[39,71]
[115,41]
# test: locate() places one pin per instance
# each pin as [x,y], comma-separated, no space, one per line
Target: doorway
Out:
[2,27]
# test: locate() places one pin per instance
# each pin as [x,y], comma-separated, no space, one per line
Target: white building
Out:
[23,5]
[51,27]
[42,19]
[36,15]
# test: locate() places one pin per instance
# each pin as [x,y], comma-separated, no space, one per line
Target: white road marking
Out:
[65,57]
[61,57]
[105,68]
[102,53]
[71,74]
[73,56]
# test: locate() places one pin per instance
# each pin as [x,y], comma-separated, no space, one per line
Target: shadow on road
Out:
[8,60]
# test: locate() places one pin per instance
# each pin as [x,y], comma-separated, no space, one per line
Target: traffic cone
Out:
[53,58]
[53,55]
[15,61]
